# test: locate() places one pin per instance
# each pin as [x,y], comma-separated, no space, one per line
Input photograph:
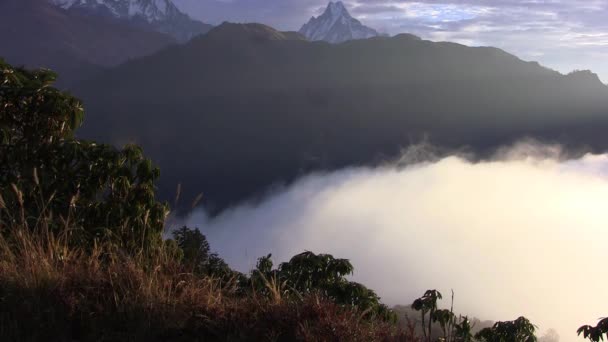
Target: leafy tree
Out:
[323,274]
[595,333]
[308,272]
[196,254]
[518,330]
[462,330]
[445,318]
[47,176]
[427,304]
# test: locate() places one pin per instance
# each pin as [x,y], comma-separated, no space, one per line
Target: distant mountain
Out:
[336,25]
[36,33]
[158,15]
[246,107]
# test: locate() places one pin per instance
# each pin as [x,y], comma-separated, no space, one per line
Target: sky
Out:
[498,232]
[565,35]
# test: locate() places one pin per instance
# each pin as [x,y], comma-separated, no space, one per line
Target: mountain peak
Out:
[337,9]
[336,25]
[160,15]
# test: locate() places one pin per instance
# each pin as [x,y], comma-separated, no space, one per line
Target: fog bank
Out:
[523,234]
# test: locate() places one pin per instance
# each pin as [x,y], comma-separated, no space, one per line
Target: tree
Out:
[47,177]
[196,254]
[518,330]
[427,304]
[445,318]
[595,333]
[309,273]
[462,330]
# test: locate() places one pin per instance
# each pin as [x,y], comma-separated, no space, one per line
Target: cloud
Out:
[562,34]
[522,234]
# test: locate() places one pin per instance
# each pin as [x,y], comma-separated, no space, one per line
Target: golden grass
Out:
[53,291]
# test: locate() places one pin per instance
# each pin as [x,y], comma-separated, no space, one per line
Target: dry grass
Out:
[50,291]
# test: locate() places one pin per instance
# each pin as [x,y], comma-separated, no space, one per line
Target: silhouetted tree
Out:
[309,273]
[445,318]
[196,253]
[595,333]
[98,191]
[427,304]
[463,330]
[518,330]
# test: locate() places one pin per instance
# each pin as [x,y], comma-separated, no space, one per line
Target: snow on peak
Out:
[336,25]
[159,15]
[337,9]
[150,10]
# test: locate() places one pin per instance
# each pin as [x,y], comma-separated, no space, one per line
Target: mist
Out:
[521,234]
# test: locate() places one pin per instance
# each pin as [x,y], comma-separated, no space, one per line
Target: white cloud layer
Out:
[562,34]
[524,234]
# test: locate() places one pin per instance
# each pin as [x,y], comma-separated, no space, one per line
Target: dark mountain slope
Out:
[35,33]
[245,106]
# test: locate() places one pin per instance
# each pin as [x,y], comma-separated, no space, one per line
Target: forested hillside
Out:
[247,97]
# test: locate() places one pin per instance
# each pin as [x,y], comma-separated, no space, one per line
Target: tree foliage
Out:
[309,273]
[595,333]
[463,330]
[100,192]
[518,330]
[197,255]
[427,304]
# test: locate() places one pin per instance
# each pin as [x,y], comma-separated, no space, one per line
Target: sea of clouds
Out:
[522,233]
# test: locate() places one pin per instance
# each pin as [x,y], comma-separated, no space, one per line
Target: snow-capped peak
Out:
[337,9]
[336,25]
[160,15]
[150,10]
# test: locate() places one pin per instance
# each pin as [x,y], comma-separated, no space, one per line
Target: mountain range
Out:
[81,38]
[158,15]
[336,25]
[245,108]
[36,33]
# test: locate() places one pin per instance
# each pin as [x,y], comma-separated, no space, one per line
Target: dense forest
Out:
[83,254]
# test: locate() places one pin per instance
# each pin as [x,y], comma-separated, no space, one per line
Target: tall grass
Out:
[53,290]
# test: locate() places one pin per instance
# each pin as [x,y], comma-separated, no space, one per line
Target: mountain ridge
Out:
[279,108]
[158,15]
[228,30]
[36,33]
